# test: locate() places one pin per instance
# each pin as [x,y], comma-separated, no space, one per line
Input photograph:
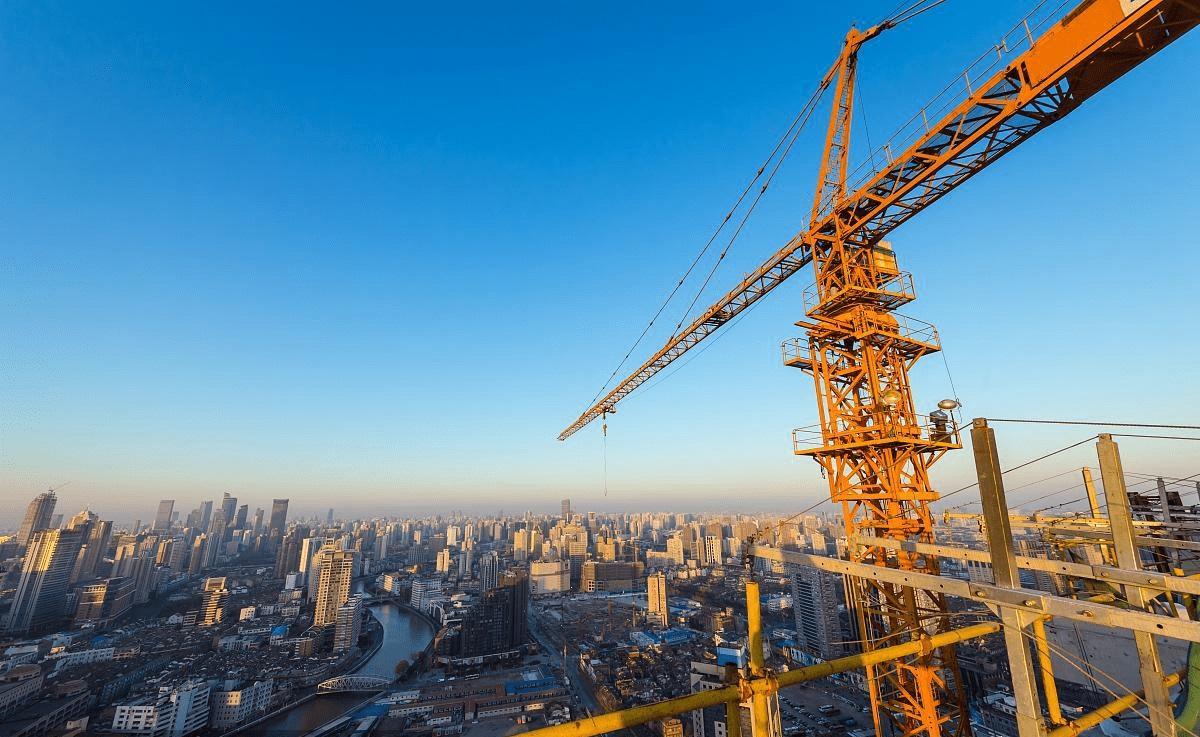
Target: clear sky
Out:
[376,258]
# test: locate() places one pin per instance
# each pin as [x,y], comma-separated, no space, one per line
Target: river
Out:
[404,634]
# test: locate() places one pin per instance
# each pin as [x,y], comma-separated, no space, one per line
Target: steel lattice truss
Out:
[1092,47]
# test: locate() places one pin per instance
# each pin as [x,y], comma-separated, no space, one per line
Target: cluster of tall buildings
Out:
[83,571]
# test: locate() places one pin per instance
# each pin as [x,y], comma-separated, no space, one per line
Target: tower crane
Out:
[873,446]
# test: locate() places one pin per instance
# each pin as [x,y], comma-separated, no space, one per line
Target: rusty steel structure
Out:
[873,446]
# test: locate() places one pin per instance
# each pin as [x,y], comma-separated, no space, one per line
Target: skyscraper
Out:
[213,540]
[41,598]
[162,518]
[37,516]
[489,571]
[279,510]
[205,514]
[287,554]
[497,622]
[333,587]
[566,509]
[228,509]
[657,613]
[815,603]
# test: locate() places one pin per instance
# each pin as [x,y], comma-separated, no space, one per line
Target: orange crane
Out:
[874,447]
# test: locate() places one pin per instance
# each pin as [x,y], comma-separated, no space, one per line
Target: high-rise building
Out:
[333,587]
[496,623]
[465,561]
[550,577]
[256,522]
[423,591]
[611,576]
[815,603]
[93,538]
[182,710]
[235,703]
[205,514]
[710,551]
[443,560]
[347,625]
[675,549]
[37,517]
[566,509]
[287,555]
[489,571]
[214,538]
[279,510]
[229,508]
[162,518]
[657,612]
[521,545]
[214,601]
[239,522]
[104,602]
[40,602]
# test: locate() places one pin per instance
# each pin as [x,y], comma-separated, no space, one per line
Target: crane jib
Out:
[1091,47]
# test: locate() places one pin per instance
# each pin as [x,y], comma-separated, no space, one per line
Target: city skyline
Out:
[270,321]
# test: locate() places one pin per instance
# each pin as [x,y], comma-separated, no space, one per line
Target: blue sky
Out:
[382,256]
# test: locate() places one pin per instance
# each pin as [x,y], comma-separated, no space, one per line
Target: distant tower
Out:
[162,520]
[205,514]
[657,612]
[37,517]
[41,598]
[329,517]
[279,509]
[229,508]
[566,509]
[489,571]
[333,587]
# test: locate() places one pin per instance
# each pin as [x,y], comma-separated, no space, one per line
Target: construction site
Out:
[1104,600]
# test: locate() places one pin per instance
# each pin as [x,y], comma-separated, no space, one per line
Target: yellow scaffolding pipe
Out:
[1111,709]
[760,705]
[1049,687]
[616,720]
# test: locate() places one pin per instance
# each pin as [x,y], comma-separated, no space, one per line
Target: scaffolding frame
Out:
[1022,613]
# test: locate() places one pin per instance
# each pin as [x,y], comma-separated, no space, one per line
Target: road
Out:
[579,688]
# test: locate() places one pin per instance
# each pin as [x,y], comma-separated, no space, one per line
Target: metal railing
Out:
[796,350]
[896,289]
[876,426]
[1011,44]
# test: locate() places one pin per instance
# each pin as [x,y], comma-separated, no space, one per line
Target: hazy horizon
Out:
[386,257]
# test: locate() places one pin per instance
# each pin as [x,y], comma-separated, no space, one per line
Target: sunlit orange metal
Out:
[874,449]
[873,446]
[1035,83]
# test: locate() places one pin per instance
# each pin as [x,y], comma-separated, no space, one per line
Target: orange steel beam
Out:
[1091,47]
[873,447]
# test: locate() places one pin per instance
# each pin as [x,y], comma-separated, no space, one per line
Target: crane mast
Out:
[873,446]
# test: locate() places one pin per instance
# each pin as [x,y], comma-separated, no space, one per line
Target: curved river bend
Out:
[404,634]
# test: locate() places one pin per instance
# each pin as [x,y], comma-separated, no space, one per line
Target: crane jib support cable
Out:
[1092,46]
